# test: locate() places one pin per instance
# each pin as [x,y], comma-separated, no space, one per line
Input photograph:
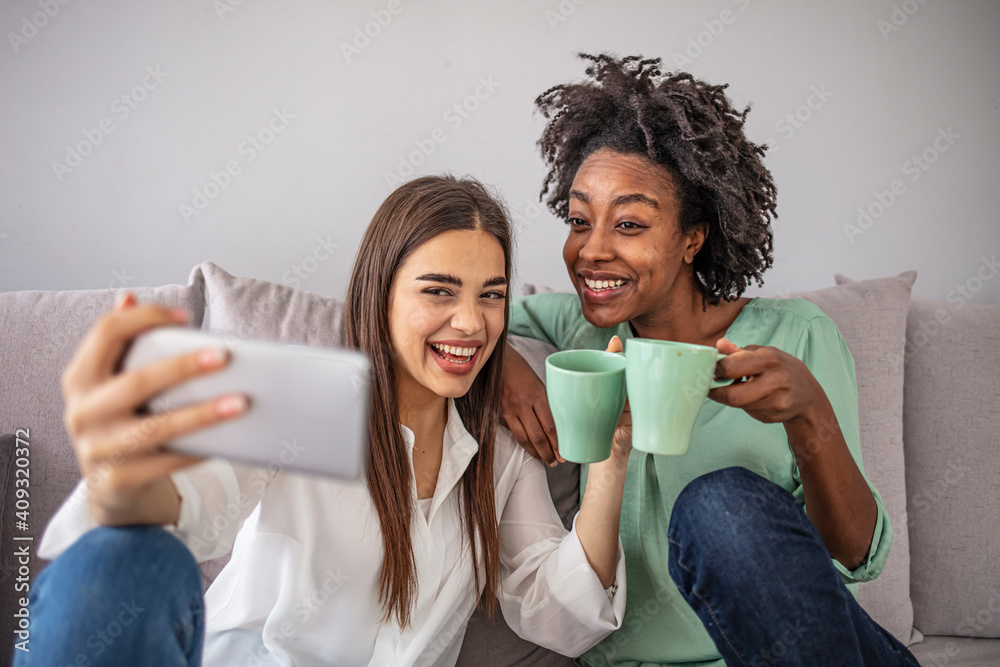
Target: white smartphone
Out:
[308,405]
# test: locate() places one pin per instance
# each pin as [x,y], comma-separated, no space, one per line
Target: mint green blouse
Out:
[659,627]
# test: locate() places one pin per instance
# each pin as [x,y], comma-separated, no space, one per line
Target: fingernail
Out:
[178,314]
[210,357]
[231,405]
[121,298]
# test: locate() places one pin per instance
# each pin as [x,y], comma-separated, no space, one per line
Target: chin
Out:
[603,317]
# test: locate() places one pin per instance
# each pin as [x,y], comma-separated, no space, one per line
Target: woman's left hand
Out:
[622,445]
[778,388]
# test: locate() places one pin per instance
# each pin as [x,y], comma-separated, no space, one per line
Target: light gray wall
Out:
[885,79]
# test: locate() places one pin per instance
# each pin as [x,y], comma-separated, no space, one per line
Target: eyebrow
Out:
[448,279]
[620,200]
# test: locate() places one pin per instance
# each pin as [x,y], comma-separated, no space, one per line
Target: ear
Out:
[695,240]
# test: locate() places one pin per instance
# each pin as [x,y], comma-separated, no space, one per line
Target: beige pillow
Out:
[871,316]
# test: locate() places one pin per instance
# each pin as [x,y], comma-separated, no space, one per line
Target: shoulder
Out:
[792,310]
[794,325]
[506,451]
[563,303]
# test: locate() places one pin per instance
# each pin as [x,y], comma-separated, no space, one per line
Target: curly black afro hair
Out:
[691,129]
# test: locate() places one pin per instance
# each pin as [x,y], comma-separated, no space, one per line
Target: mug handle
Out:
[724,382]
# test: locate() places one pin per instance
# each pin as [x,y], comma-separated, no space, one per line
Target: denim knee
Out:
[729,517]
[133,562]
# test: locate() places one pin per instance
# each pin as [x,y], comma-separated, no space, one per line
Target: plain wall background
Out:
[893,76]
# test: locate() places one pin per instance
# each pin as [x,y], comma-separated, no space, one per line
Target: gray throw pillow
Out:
[871,316]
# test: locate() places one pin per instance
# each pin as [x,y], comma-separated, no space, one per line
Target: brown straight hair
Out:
[413,214]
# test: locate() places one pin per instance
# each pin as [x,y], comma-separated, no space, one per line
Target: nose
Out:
[468,317]
[597,246]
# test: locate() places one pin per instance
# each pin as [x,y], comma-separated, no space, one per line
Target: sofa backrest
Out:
[952,439]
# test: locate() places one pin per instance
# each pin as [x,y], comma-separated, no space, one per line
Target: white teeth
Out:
[467,352]
[598,285]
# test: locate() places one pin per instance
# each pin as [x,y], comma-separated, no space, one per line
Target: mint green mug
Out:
[667,385]
[586,391]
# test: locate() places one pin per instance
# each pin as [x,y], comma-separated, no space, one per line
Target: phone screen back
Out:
[308,406]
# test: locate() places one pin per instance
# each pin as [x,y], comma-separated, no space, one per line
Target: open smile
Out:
[601,288]
[454,357]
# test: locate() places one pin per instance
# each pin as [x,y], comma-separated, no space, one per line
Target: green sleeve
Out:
[824,351]
[551,318]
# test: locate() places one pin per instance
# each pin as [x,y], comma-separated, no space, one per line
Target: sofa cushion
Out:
[940,651]
[952,439]
[42,330]
[871,316]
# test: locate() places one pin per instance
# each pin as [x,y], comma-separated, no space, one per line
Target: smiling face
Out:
[446,313]
[625,251]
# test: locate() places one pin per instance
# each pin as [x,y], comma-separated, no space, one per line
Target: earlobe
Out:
[696,240]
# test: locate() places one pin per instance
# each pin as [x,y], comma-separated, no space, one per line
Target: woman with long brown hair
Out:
[384,571]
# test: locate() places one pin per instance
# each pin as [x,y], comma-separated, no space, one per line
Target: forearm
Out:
[600,514]
[838,499]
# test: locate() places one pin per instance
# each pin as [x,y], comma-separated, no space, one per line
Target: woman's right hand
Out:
[525,407]
[120,452]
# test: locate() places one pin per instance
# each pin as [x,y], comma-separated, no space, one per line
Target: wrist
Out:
[810,430]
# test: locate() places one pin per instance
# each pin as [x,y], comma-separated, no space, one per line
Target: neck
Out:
[423,412]
[683,319]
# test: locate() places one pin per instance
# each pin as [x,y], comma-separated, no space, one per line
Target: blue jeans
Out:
[752,566]
[112,598]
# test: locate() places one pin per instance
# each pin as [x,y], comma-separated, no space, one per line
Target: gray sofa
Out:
[928,397]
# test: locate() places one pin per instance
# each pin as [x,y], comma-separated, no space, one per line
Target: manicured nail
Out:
[231,405]
[121,298]
[210,357]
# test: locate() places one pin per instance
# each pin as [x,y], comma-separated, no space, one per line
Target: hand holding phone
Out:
[120,452]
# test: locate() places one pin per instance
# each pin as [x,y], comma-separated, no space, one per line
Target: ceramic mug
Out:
[667,385]
[586,391]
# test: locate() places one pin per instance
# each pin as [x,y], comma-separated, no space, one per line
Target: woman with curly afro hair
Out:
[749,548]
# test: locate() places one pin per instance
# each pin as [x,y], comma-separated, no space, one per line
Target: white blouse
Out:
[301,587]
